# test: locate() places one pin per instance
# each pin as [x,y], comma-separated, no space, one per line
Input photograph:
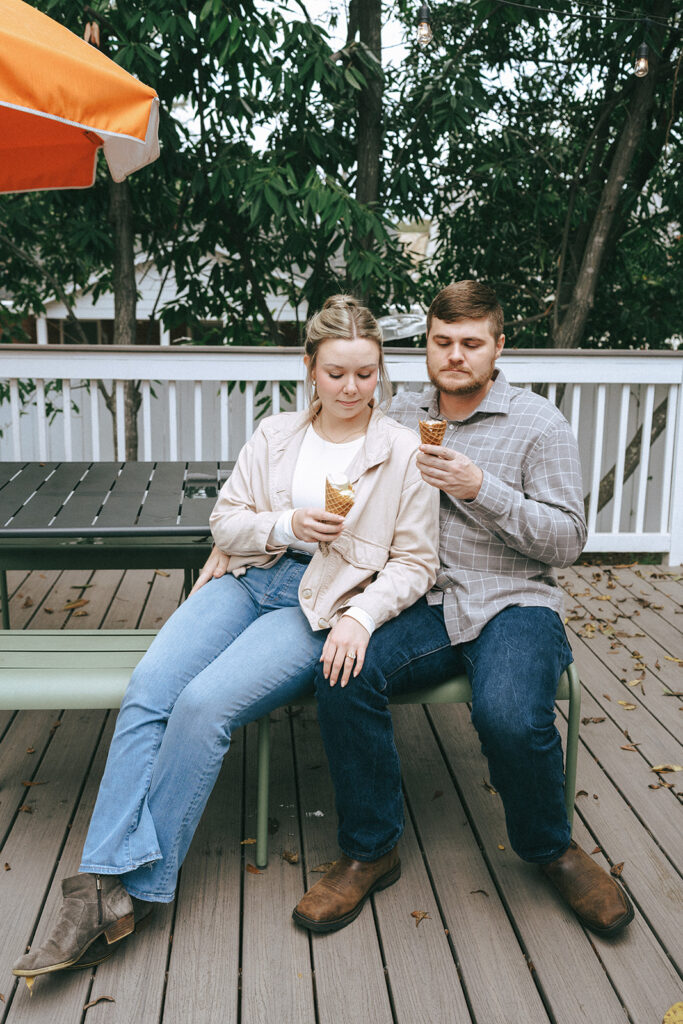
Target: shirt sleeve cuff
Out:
[493,496]
[360,615]
[282,533]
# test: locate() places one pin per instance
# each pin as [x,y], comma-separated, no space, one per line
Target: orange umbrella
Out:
[60,100]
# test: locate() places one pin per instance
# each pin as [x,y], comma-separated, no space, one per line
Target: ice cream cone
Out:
[339,496]
[432,431]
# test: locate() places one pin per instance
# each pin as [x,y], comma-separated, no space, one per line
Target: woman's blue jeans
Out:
[234,651]
[513,666]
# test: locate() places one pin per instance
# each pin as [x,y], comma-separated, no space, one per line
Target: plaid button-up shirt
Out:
[498,549]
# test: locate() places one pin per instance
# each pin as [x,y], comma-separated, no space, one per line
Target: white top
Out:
[317,458]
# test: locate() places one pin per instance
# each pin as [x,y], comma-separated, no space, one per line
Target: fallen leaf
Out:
[2,998]
[657,665]
[420,915]
[607,697]
[7,867]
[30,750]
[48,610]
[26,808]
[322,869]
[473,892]
[582,792]
[500,846]
[616,869]
[634,682]
[253,870]
[161,572]
[77,615]
[596,849]
[679,661]
[28,603]
[55,725]
[588,721]
[654,785]
[29,784]
[81,586]
[625,704]
[75,604]
[489,787]
[100,999]
[30,983]
[595,796]
[290,856]
[631,746]
[247,842]
[667,768]
[674,1015]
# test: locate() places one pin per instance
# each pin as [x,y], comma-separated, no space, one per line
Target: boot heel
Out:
[124,926]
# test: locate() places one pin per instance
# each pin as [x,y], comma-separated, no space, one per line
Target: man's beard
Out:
[467,387]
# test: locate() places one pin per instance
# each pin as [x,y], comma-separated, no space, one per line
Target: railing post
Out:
[675,556]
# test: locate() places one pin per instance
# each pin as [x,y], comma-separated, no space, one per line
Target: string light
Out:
[424,26]
[642,63]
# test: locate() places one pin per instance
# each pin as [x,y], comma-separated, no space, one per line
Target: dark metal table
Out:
[97,515]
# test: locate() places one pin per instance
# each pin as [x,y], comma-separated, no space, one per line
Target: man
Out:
[511,509]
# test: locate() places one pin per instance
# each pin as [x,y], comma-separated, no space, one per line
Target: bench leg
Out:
[4,597]
[572,741]
[263,785]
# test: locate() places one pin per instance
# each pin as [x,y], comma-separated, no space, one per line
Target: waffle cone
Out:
[340,504]
[432,431]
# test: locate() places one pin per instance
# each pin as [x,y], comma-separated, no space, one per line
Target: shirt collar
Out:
[497,399]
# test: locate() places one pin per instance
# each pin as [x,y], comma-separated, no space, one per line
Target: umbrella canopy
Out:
[60,100]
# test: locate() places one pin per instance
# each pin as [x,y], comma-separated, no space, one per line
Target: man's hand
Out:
[215,566]
[344,650]
[315,525]
[449,471]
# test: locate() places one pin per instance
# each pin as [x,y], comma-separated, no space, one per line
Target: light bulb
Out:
[642,64]
[424,27]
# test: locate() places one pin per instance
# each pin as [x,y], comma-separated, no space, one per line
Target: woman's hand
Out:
[215,566]
[344,650]
[315,524]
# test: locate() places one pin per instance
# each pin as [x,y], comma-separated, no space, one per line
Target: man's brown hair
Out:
[467,300]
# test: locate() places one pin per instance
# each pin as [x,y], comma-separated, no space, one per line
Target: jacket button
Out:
[323,623]
[306,593]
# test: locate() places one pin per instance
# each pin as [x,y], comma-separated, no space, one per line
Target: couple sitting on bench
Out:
[437,562]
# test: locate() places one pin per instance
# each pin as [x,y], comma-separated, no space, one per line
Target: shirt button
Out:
[323,624]
[306,593]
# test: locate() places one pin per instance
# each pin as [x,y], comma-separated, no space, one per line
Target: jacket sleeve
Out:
[413,561]
[237,525]
[546,520]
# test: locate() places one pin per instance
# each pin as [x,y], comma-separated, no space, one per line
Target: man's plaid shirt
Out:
[497,549]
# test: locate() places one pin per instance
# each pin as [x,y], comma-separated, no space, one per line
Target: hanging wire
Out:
[584,17]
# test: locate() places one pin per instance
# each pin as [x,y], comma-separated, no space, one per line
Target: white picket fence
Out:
[202,403]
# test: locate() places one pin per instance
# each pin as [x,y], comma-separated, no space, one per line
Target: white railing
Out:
[202,403]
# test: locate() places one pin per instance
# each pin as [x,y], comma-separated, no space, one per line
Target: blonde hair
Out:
[342,317]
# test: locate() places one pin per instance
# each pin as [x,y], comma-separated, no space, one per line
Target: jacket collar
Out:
[288,435]
[496,400]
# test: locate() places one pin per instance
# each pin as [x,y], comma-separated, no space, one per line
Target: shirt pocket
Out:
[364,554]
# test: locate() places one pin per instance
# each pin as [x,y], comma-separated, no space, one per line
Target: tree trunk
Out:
[125,298]
[369,136]
[570,331]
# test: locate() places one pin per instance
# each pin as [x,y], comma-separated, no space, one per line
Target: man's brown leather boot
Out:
[596,899]
[338,898]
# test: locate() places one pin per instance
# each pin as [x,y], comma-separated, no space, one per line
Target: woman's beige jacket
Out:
[387,554]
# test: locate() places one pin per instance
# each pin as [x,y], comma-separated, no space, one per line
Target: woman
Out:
[302,585]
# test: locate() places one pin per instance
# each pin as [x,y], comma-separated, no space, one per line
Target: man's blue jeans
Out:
[234,651]
[513,666]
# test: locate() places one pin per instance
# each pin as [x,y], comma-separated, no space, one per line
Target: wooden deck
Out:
[496,946]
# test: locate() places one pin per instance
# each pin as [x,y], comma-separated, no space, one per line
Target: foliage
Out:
[503,133]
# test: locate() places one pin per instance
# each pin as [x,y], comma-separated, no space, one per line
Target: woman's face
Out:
[345,374]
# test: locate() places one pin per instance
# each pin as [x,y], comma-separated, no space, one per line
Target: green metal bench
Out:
[46,669]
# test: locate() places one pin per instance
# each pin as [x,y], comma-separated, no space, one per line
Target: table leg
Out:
[4,598]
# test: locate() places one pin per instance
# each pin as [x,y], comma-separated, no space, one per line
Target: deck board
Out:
[498,946]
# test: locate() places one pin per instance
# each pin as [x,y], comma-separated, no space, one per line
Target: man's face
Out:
[461,356]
